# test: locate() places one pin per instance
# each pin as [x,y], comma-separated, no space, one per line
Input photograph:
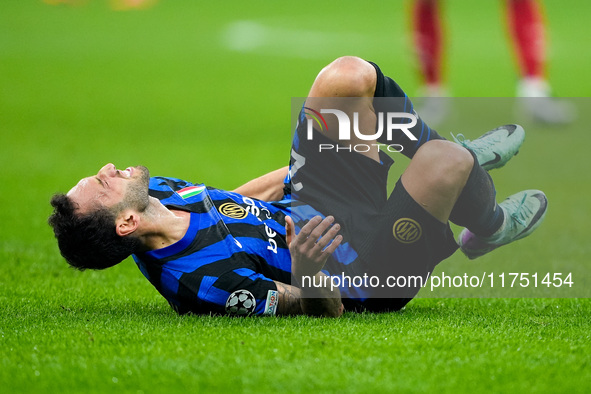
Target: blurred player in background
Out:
[526,27]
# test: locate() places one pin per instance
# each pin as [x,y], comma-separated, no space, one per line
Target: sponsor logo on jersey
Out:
[272,302]
[190,191]
[233,210]
[407,230]
[266,214]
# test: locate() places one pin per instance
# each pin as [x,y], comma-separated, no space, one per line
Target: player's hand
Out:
[309,249]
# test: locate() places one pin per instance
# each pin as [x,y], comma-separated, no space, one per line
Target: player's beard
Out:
[137,196]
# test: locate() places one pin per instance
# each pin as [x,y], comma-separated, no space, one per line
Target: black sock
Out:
[393,99]
[476,208]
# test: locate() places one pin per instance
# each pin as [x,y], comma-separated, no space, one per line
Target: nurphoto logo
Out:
[387,123]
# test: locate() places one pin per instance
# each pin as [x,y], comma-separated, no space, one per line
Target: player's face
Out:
[111,188]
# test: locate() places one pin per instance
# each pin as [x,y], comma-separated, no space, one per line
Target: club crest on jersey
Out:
[190,191]
[233,210]
[407,231]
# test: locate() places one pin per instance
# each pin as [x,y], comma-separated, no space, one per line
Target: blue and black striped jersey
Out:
[233,243]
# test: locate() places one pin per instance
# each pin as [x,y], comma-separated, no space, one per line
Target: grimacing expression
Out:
[113,189]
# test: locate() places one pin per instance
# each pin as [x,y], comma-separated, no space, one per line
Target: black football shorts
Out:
[396,240]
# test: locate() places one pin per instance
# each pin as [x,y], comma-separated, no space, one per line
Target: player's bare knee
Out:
[458,157]
[449,163]
[347,76]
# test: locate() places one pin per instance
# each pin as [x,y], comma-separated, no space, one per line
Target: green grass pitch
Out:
[183,84]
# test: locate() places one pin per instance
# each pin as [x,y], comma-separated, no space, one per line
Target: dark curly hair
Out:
[88,240]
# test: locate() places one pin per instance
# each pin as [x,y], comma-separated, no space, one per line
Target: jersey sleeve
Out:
[243,292]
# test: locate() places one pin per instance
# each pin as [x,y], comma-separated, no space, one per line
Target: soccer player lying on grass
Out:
[270,246]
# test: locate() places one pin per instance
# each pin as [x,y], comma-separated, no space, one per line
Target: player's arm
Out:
[309,251]
[289,299]
[268,187]
[292,303]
